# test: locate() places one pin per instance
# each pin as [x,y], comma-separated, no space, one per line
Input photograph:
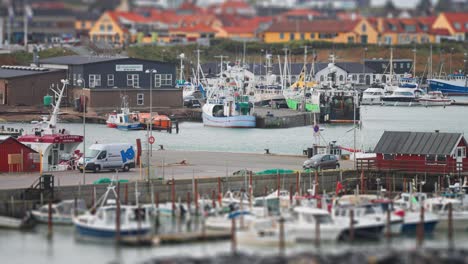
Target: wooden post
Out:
[317,234]
[117,215]
[220,192]
[316,183]
[233,236]
[12,205]
[278,183]
[195,198]
[281,236]
[297,183]
[49,220]
[351,225]
[420,229]
[265,191]
[173,196]
[75,211]
[126,194]
[388,234]
[188,201]
[94,195]
[156,198]
[213,199]
[404,184]
[450,226]
[290,195]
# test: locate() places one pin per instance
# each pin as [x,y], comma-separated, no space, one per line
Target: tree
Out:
[443,5]
[389,6]
[424,7]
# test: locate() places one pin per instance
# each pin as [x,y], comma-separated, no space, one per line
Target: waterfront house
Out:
[424,152]
[17,157]
[27,86]
[104,80]
[400,31]
[455,23]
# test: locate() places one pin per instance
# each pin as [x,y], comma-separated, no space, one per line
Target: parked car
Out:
[321,162]
[191,102]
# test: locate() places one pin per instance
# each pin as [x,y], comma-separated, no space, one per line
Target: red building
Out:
[425,152]
[17,157]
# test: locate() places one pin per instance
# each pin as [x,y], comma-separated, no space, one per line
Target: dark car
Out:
[191,103]
[321,162]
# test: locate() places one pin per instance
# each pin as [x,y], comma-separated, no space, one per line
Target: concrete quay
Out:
[169,164]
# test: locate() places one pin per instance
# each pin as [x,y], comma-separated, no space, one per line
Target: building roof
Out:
[5,138]
[77,60]
[320,26]
[417,143]
[9,72]
[354,67]
[458,21]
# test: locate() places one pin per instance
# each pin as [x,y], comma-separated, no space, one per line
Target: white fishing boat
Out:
[234,111]
[263,232]
[435,98]
[455,84]
[224,222]
[134,221]
[57,145]
[304,222]
[440,205]
[364,227]
[62,212]
[411,204]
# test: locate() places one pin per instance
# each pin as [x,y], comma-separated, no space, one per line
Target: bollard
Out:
[126,194]
[233,236]
[49,220]
[420,229]
[450,226]
[351,225]
[317,234]
[173,197]
[117,215]
[281,236]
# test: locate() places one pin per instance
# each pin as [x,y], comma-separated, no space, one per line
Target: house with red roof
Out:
[455,23]
[300,14]
[337,31]
[396,31]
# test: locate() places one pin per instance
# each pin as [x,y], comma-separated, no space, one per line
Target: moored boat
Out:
[61,213]
[455,84]
[435,98]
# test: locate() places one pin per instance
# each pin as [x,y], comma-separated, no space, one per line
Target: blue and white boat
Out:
[411,204]
[135,222]
[455,84]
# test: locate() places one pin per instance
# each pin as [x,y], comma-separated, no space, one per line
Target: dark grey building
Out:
[382,66]
[107,79]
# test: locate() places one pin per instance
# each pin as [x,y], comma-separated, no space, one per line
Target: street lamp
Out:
[81,82]
[151,73]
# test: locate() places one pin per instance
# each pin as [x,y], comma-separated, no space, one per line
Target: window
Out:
[281,35]
[102,27]
[140,99]
[94,80]
[109,28]
[312,35]
[350,39]
[133,80]
[408,65]
[388,157]
[110,80]
[457,25]
[461,152]
[466,25]
[341,78]
[363,28]
[388,40]
[302,36]
[162,80]
[291,36]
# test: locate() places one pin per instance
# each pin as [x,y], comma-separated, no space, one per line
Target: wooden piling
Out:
[117,215]
[317,234]
[94,195]
[290,195]
[12,199]
[278,183]
[420,229]
[265,191]
[188,201]
[233,236]
[450,226]
[404,184]
[351,225]
[213,199]
[126,194]
[388,234]
[195,198]
[316,183]
[75,211]
[281,236]
[173,196]
[297,183]
[49,220]
[220,192]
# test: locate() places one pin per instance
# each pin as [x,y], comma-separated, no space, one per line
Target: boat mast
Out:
[181,56]
[304,68]
[414,62]
[197,76]
[285,70]
[53,118]
[391,64]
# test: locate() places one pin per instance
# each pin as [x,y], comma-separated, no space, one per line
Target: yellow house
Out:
[395,31]
[455,23]
[337,31]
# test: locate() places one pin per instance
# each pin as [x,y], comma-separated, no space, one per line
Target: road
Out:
[177,164]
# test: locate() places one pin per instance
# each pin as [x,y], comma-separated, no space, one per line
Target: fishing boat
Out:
[304,222]
[435,98]
[111,121]
[243,219]
[56,144]
[372,96]
[158,122]
[455,84]
[439,206]
[411,203]
[364,227]
[61,213]
[263,232]
[401,97]
[234,111]
[134,221]
[125,120]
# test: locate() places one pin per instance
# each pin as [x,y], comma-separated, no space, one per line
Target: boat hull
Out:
[441,102]
[412,227]
[111,125]
[44,218]
[448,87]
[137,126]
[400,102]
[371,101]
[368,232]
[101,233]
[241,121]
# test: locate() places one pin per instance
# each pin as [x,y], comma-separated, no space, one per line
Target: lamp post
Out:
[81,82]
[151,73]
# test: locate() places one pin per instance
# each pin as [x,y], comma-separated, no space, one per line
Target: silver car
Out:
[321,162]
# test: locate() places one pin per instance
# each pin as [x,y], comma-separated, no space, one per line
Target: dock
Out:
[188,237]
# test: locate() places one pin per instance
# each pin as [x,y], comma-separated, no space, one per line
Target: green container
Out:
[47,100]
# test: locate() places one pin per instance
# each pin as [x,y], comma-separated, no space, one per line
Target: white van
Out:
[109,157]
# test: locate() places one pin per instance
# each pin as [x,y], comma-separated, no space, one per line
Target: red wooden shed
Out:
[431,152]
[17,157]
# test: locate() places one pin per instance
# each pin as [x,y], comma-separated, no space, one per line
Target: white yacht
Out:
[372,96]
[401,97]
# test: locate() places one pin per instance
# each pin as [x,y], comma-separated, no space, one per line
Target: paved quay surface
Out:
[170,163]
